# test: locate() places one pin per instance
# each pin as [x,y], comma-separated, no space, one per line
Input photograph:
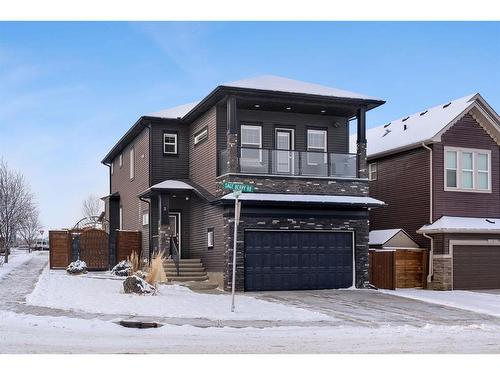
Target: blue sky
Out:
[68,91]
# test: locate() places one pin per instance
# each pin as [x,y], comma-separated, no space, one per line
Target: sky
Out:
[70,90]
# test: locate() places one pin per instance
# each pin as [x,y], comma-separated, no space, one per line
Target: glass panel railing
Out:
[343,165]
[285,162]
[314,164]
[223,162]
[254,160]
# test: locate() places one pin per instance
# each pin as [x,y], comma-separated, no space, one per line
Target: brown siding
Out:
[164,166]
[469,134]
[203,156]
[337,137]
[129,189]
[402,183]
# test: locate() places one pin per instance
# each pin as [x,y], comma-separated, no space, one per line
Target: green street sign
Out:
[238,186]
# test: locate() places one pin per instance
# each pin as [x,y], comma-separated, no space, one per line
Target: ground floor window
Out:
[210,237]
[145,218]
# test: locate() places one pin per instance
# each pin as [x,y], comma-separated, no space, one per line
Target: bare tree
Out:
[91,206]
[30,226]
[15,201]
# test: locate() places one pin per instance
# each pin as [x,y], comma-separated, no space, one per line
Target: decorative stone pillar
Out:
[232,135]
[361,144]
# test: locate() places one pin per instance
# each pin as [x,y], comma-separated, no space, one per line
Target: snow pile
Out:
[77,267]
[483,303]
[122,269]
[59,290]
[137,285]
[16,258]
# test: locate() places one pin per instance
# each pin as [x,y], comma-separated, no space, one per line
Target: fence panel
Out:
[382,269]
[59,249]
[126,243]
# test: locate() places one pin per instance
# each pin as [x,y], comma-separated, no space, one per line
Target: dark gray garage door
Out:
[285,260]
[476,267]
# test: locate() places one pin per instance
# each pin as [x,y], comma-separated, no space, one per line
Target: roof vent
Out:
[405,127]
[387,131]
[424,112]
[386,125]
[490,221]
[446,105]
[406,118]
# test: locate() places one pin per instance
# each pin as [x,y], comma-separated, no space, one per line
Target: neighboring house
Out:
[438,171]
[305,226]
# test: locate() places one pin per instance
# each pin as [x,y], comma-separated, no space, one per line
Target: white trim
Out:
[370,171]
[317,231]
[291,161]
[459,152]
[317,150]
[451,243]
[170,135]
[201,136]
[178,215]
[252,145]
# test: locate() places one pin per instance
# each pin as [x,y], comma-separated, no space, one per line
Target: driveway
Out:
[371,308]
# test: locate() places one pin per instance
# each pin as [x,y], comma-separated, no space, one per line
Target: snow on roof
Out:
[174,112]
[276,83]
[380,237]
[309,198]
[172,184]
[414,129]
[455,224]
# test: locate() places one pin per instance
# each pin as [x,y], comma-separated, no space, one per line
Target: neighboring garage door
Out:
[476,267]
[285,260]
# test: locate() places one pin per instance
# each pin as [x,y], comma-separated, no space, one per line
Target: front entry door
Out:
[175,226]
[284,154]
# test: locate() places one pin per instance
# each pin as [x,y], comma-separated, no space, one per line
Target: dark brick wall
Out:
[298,219]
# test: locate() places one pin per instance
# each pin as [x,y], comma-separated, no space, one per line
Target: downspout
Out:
[431,252]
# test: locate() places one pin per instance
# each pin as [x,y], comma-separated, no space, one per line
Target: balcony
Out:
[291,163]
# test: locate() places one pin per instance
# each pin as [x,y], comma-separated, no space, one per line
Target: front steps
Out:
[189,270]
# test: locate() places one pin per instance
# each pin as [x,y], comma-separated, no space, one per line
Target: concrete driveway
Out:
[374,309]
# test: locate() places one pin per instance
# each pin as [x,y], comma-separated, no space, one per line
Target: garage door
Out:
[476,267]
[285,260]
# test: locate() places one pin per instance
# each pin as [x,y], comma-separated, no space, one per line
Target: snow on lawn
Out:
[16,258]
[484,303]
[80,293]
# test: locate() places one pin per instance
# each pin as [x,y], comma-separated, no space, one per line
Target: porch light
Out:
[257,105]
[288,108]
[323,110]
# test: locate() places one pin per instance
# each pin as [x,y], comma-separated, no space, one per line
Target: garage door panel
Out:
[285,260]
[476,267]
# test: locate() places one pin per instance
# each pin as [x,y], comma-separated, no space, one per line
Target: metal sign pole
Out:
[235,241]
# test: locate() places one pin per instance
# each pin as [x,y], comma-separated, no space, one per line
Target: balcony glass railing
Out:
[291,163]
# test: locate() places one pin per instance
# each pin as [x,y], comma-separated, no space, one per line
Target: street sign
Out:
[238,186]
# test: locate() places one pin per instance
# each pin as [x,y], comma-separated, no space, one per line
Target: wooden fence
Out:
[60,249]
[398,268]
[126,243]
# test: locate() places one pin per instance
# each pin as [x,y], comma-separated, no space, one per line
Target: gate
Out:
[94,249]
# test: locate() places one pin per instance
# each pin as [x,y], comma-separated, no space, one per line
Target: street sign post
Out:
[237,189]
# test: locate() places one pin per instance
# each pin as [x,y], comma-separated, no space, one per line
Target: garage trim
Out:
[488,242]
[317,231]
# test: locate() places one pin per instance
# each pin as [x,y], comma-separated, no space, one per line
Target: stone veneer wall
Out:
[442,273]
[358,224]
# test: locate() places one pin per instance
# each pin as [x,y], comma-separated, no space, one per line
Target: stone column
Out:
[361,144]
[232,135]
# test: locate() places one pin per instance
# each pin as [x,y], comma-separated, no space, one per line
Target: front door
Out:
[284,154]
[175,227]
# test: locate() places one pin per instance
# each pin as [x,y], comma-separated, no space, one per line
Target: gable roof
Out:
[428,125]
[391,238]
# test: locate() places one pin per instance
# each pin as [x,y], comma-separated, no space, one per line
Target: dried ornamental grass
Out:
[156,272]
[134,261]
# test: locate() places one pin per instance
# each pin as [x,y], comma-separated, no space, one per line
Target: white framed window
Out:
[112,167]
[170,143]
[121,217]
[316,146]
[372,172]
[210,237]
[467,169]
[132,163]
[201,136]
[145,218]
[120,160]
[251,144]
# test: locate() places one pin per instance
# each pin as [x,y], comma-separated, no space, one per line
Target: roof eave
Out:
[458,230]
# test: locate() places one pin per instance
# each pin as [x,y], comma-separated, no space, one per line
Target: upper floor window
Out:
[132,163]
[372,171]
[120,160]
[121,217]
[251,136]
[316,141]
[201,136]
[467,169]
[170,143]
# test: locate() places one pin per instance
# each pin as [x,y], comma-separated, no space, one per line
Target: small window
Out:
[210,237]
[372,171]
[112,167]
[170,143]
[483,172]
[132,163]
[145,218]
[201,136]
[120,160]
[121,217]
[451,169]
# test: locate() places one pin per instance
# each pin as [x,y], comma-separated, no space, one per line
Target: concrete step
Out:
[184,261]
[186,269]
[184,273]
[187,278]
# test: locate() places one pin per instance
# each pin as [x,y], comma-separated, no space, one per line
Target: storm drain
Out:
[140,325]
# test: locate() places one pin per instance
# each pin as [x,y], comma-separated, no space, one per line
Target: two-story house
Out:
[438,170]
[305,226]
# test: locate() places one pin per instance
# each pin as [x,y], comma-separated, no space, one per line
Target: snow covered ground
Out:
[484,303]
[57,289]
[21,333]
[16,258]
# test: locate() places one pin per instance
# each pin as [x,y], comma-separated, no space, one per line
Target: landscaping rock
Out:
[134,284]
[122,269]
[141,274]
[77,267]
